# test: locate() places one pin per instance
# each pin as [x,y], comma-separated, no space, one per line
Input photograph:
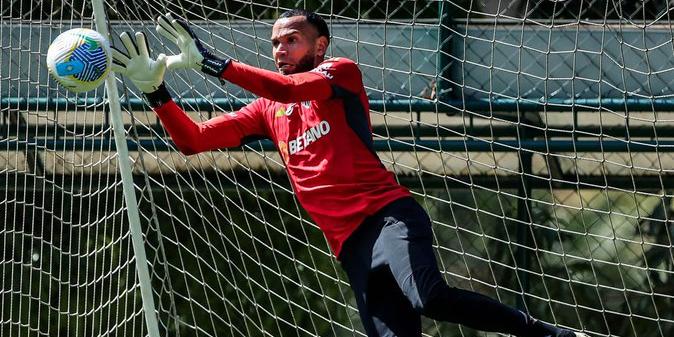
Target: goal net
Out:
[537,134]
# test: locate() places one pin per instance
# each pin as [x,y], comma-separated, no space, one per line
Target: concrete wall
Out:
[399,61]
[24,48]
[538,62]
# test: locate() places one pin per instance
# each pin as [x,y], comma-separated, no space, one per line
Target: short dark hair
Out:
[313,18]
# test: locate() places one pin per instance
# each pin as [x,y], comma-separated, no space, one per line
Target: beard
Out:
[306,63]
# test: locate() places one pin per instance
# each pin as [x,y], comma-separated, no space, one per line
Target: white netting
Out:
[538,135]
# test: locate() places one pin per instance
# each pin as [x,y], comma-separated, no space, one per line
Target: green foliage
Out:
[577,262]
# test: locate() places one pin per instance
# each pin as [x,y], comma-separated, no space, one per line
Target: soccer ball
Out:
[79,59]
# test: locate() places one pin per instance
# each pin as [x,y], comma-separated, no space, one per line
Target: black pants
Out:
[394,274]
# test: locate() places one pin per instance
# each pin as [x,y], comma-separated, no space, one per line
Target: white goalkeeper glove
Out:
[145,73]
[193,54]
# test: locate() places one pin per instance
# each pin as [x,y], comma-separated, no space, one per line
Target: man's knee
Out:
[434,303]
[447,303]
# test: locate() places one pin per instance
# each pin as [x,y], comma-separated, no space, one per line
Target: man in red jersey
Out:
[316,111]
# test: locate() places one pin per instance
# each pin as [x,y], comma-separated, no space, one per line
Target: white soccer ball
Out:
[79,59]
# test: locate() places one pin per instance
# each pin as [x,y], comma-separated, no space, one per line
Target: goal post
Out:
[538,135]
[124,165]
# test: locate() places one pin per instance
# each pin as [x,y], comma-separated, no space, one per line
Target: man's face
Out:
[295,44]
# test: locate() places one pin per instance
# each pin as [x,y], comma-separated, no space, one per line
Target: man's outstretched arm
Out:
[264,83]
[190,137]
[224,131]
[299,87]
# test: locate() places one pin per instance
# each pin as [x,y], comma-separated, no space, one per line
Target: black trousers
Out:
[395,278]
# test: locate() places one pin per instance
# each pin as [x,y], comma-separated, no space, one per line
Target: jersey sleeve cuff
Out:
[214,66]
[158,97]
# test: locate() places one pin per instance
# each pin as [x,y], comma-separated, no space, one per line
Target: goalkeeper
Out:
[316,112]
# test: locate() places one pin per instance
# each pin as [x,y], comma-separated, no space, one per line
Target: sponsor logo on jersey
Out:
[290,109]
[283,111]
[306,104]
[310,136]
[280,112]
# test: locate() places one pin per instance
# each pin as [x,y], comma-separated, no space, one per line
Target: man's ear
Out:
[321,45]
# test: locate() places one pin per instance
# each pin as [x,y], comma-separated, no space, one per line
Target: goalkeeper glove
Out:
[193,54]
[145,73]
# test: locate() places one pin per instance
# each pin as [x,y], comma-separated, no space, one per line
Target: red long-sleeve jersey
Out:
[319,121]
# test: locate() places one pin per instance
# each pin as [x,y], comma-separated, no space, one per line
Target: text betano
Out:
[313,134]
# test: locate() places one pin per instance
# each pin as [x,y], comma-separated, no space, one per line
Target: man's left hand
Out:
[193,54]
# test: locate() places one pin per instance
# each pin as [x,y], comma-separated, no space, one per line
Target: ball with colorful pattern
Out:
[79,59]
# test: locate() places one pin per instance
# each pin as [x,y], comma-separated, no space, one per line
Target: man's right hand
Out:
[193,55]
